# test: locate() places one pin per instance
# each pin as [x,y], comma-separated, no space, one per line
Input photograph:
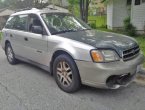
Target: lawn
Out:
[100,21]
[0,36]
[141,41]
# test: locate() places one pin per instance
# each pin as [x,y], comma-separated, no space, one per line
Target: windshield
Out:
[61,22]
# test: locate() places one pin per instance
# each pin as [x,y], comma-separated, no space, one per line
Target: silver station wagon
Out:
[70,50]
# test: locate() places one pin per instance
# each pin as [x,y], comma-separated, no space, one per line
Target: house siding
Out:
[110,15]
[120,13]
[138,16]
[116,13]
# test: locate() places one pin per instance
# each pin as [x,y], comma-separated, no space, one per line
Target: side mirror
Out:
[37,29]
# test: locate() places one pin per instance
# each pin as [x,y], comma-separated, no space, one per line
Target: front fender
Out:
[77,50]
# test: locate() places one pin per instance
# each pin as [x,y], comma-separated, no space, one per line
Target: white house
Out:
[118,10]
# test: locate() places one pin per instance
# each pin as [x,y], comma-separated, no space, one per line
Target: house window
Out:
[143,1]
[137,2]
[129,2]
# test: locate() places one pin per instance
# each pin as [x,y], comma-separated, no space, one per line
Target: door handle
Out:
[39,51]
[26,39]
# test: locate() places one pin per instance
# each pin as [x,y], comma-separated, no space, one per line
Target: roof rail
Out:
[51,8]
[24,9]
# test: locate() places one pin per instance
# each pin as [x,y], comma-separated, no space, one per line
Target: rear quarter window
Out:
[10,23]
[17,22]
[20,22]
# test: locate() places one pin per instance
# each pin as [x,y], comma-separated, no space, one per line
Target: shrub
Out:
[93,25]
[129,28]
[144,29]
[0,35]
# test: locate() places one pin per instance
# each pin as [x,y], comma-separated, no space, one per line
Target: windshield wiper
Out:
[64,31]
[85,29]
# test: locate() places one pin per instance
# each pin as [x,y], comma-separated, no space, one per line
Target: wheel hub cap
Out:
[64,73]
[9,54]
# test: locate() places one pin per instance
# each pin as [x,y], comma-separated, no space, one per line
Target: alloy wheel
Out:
[10,54]
[64,73]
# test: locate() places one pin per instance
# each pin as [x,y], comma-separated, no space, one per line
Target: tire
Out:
[66,74]
[10,54]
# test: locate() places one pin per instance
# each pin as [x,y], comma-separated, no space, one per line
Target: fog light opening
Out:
[116,81]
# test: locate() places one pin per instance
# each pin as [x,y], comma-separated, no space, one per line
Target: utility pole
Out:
[53,3]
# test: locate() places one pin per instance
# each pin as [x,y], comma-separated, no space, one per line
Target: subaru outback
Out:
[70,50]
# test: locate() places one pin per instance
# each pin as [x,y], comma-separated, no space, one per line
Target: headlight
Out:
[104,55]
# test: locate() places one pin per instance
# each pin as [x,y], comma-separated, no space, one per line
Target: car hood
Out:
[103,40]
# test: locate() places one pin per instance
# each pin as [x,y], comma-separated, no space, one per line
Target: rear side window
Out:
[20,22]
[17,22]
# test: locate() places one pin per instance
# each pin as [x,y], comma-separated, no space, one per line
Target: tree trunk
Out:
[86,12]
[84,4]
[81,9]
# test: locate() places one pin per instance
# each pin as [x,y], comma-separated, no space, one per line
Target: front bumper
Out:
[97,74]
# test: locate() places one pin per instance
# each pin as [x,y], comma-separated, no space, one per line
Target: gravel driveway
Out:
[26,87]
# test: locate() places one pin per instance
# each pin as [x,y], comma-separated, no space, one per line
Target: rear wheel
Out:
[66,74]
[10,54]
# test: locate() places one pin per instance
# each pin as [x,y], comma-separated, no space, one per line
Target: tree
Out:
[6,3]
[84,6]
[19,4]
[72,4]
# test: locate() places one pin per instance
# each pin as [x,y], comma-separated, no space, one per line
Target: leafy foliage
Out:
[19,4]
[73,6]
[129,28]
[92,25]
[0,36]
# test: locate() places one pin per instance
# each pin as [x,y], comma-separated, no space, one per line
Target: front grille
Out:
[131,53]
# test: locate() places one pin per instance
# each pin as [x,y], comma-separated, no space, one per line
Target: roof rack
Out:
[51,8]
[24,9]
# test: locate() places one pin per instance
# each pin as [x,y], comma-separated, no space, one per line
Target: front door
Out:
[36,43]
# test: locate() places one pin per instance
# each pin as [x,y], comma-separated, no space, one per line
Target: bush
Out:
[129,28]
[144,29]
[0,35]
[93,25]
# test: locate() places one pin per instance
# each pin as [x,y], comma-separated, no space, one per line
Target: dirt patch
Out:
[140,79]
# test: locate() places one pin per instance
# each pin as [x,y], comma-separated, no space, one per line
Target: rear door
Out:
[16,30]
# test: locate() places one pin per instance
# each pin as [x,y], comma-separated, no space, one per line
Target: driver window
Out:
[34,21]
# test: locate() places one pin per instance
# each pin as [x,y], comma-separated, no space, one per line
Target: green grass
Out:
[101,21]
[140,39]
[0,36]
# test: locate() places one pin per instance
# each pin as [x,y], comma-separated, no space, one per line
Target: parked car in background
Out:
[70,50]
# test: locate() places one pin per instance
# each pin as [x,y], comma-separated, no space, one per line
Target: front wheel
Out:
[66,74]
